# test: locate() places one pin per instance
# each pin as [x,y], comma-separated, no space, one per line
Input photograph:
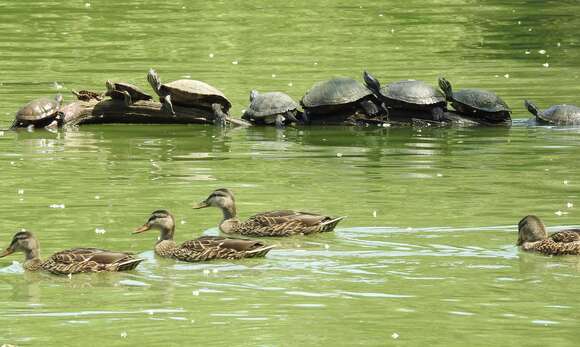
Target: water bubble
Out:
[315,63]
[339,155]
[100,231]
[566,182]
[439,175]
[395,336]
[69,276]
[20,191]
[559,213]
[542,51]
[87,4]
[235,62]
[57,206]
[392,31]
[124,335]
[507,75]
[569,205]
[186,76]
[528,52]
[530,29]
[206,272]
[375,213]
[326,246]
[183,222]
[546,65]
[195,293]
[380,14]
[290,84]
[97,197]
[211,55]
[558,44]
[519,22]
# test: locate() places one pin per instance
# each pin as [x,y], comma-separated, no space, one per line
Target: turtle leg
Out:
[219,116]
[280,119]
[370,108]
[127,98]
[438,114]
[291,116]
[305,117]
[166,105]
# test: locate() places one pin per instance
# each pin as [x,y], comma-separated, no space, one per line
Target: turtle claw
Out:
[219,117]
[127,98]
[166,105]
[280,119]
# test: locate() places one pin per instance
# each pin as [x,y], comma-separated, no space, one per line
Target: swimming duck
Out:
[272,223]
[70,261]
[200,249]
[532,237]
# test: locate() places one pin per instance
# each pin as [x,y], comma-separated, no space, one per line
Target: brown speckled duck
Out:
[273,223]
[532,237]
[201,249]
[70,261]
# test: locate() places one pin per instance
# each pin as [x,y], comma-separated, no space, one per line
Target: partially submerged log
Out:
[141,112]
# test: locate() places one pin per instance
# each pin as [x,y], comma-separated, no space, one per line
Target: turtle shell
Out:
[337,91]
[481,100]
[38,109]
[413,92]
[561,115]
[135,92]
[188,92]
[269,104]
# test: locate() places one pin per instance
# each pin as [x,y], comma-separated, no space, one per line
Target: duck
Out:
[272,223]
[203,248]
[532,237]
[70,261]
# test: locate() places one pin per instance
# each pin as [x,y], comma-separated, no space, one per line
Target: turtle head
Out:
[446,88]
[22,241]
[110,87]
[532,108]
[372,83]
[154,80]
[531,229]
[253,94]
[161,220]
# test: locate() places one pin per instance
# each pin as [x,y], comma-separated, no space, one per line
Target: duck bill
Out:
[6,252]
[202,204]
[142,229]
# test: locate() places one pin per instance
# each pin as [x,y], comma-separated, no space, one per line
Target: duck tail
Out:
[259,252]
[329,225]
[129,264]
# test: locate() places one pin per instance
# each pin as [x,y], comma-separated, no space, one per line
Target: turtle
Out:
[481,105]
[127,92]
[87,95]
[271,108]
[340,97]
[557,114]
[190,93]
[409,98]
[40,112]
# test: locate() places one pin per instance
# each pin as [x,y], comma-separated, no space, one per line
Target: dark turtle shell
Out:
[337,91]
[477,99]
[114,89]
[557,114]
[269,104]
[38,109]
[413,92]
[195,93]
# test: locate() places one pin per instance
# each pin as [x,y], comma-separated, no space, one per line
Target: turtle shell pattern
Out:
[482,100]
[188,92]
[38,109]
[561,115]
[269,104]
[413,92]
[337,91]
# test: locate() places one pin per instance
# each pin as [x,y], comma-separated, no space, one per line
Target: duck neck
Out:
[32,260]
[32,254]
[166,233]
[229,221]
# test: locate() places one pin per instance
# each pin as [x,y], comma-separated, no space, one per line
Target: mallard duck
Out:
[70,261]
[201,249]
[532,237]
[273,223]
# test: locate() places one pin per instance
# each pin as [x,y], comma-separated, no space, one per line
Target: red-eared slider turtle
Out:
[409,98]
[481,105]
[557,114]
[87,95]
[39,113]
[190,93]
[127,92]
[271,108]
[340,97]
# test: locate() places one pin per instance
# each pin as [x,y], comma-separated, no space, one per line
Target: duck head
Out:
[23,241]
[531,229]
[221,198]
[161,220]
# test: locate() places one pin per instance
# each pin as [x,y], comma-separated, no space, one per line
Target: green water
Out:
[426,255]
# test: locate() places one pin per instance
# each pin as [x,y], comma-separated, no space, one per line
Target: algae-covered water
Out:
[427,254]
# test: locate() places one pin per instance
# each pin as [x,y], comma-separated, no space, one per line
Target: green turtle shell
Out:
[413,92]
[561,115]
[337,91]
[481,100]
[269,104]
[38,109]
[188,92]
